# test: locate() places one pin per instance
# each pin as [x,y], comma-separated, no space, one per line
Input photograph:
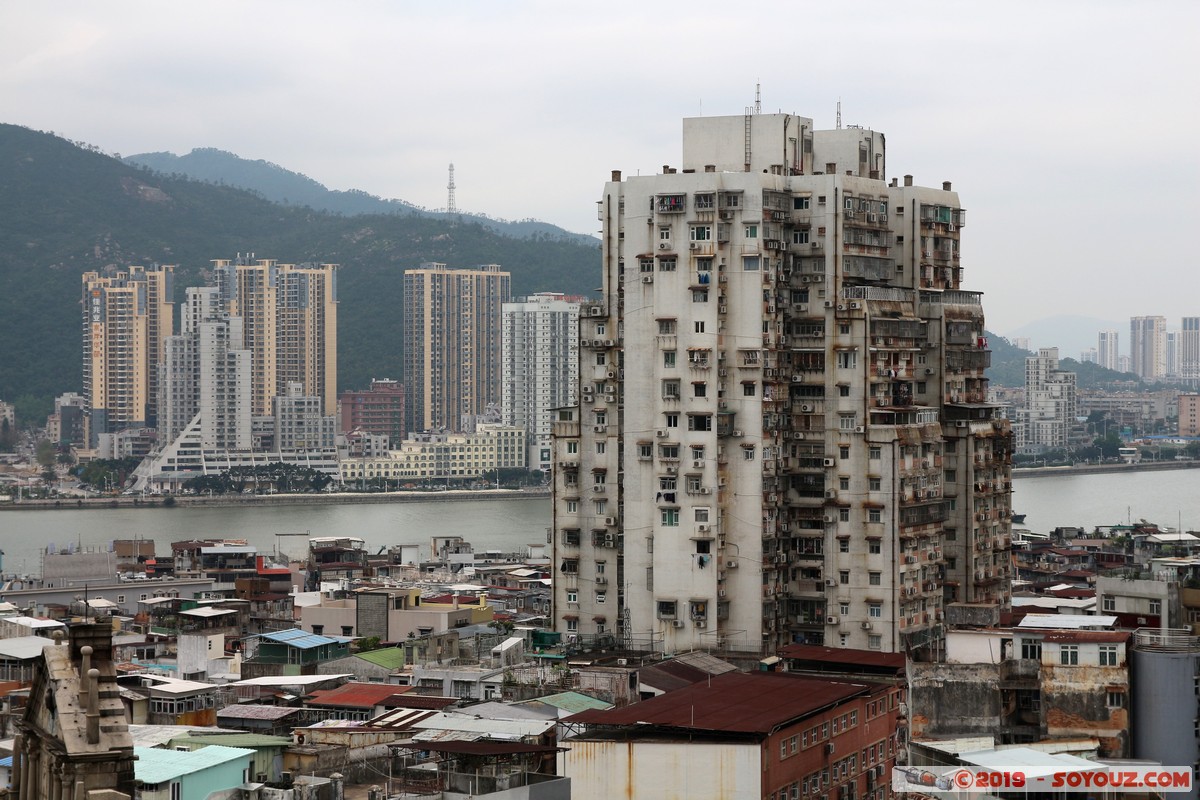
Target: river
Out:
[1167,498]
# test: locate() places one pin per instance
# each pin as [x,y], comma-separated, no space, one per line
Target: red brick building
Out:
[788,736]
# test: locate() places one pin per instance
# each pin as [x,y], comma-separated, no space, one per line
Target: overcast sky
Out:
[1068,128]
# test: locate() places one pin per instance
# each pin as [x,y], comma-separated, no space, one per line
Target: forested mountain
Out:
[281,185]
[66,209]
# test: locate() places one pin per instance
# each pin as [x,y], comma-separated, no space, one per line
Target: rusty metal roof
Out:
[736,702]
[357,695]
[249,711]
[836,657]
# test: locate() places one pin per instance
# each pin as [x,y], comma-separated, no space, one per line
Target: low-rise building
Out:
[756,734]
[392,615]
[191,774]
[443,456]
[290,652]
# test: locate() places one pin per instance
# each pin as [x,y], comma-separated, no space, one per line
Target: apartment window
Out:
[698,326]
[666,327]
[318,630]
[347,630]
[700,389]
[1115,699]
[1110,604]
[751,263]
[844,483]
[875,578]
[801,203]
[666,265]
[669,517]
[601,359]
[875,610]
[844,577]
[874,484]
[701,233]
[669,359]
[843,390]
[843,545]
[843,515]
[844,451]
[1156,607]
[748,453]
[800,236]
[600,446]
[844,608]
[699,422]
[669,452]
[645,453]
[601,597]
[750,231]
[702,514]
[1068,655]
[573,448]
[664,233]
[572,596]
[874,453]
[666,609]
[874,642]
[874,515]
[670,389]
[847,359]
[844,639]
[749,389]
[1108,655]
[572,506]
[572,625]
[672,420]
[700,295]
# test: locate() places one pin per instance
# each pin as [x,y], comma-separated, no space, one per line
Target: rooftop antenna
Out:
[450,206]
[839,114]
[758,98]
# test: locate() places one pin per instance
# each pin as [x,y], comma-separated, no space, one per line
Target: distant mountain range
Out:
[283,186]
[67,209]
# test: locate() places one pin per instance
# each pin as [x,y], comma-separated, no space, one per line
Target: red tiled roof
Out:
[357,695]
[736,702]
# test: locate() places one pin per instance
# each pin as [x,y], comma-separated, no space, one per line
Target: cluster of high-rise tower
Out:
[1155,353]
[783,431]
[261,331]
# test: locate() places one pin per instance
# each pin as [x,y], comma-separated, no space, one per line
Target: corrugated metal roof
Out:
[1066,621]
[207,612]
[245,740]
[736,702]
[257,712]
[572,701]
[844,657]
[20,648]
[493,728]
[303,639]
[485,748]
[291,680]
[357,695]
[159,766]
[398,718]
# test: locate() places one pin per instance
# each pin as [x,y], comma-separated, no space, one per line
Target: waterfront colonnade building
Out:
[788,438]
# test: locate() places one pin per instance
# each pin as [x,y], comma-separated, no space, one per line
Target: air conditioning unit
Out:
[731,564]
[601,580]
[855,306]
[962,423]
[799,435]
[597,311]
[806,408]
[609,342]
[599,487]
[722,309]
[738,433]
[705,490]
[672,470]
[841,307]
[664,245]
[676,623]
[702,528]
[830,582]
[802,307]
[610,521]
[866,626]
[611,374]
[598,428]
[661,433]
[929,370]
[720,592]
[647,279]
[693,245]
[828,462]
[805,279]
[698,464]
[829,304]
[860,429]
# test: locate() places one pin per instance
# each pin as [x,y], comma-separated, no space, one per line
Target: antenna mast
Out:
[839,124]
[450,206]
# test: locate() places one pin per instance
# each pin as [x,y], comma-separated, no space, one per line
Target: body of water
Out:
[487,524]
[1168,498]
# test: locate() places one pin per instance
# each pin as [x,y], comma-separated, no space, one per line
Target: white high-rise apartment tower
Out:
[541,367]
[1148,346]
[1189,349]
[1108,349]
[788,438]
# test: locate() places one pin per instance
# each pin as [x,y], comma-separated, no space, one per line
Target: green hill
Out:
[283,186]
[67,209]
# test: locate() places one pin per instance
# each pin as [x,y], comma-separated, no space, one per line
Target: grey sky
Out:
[1066,127]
